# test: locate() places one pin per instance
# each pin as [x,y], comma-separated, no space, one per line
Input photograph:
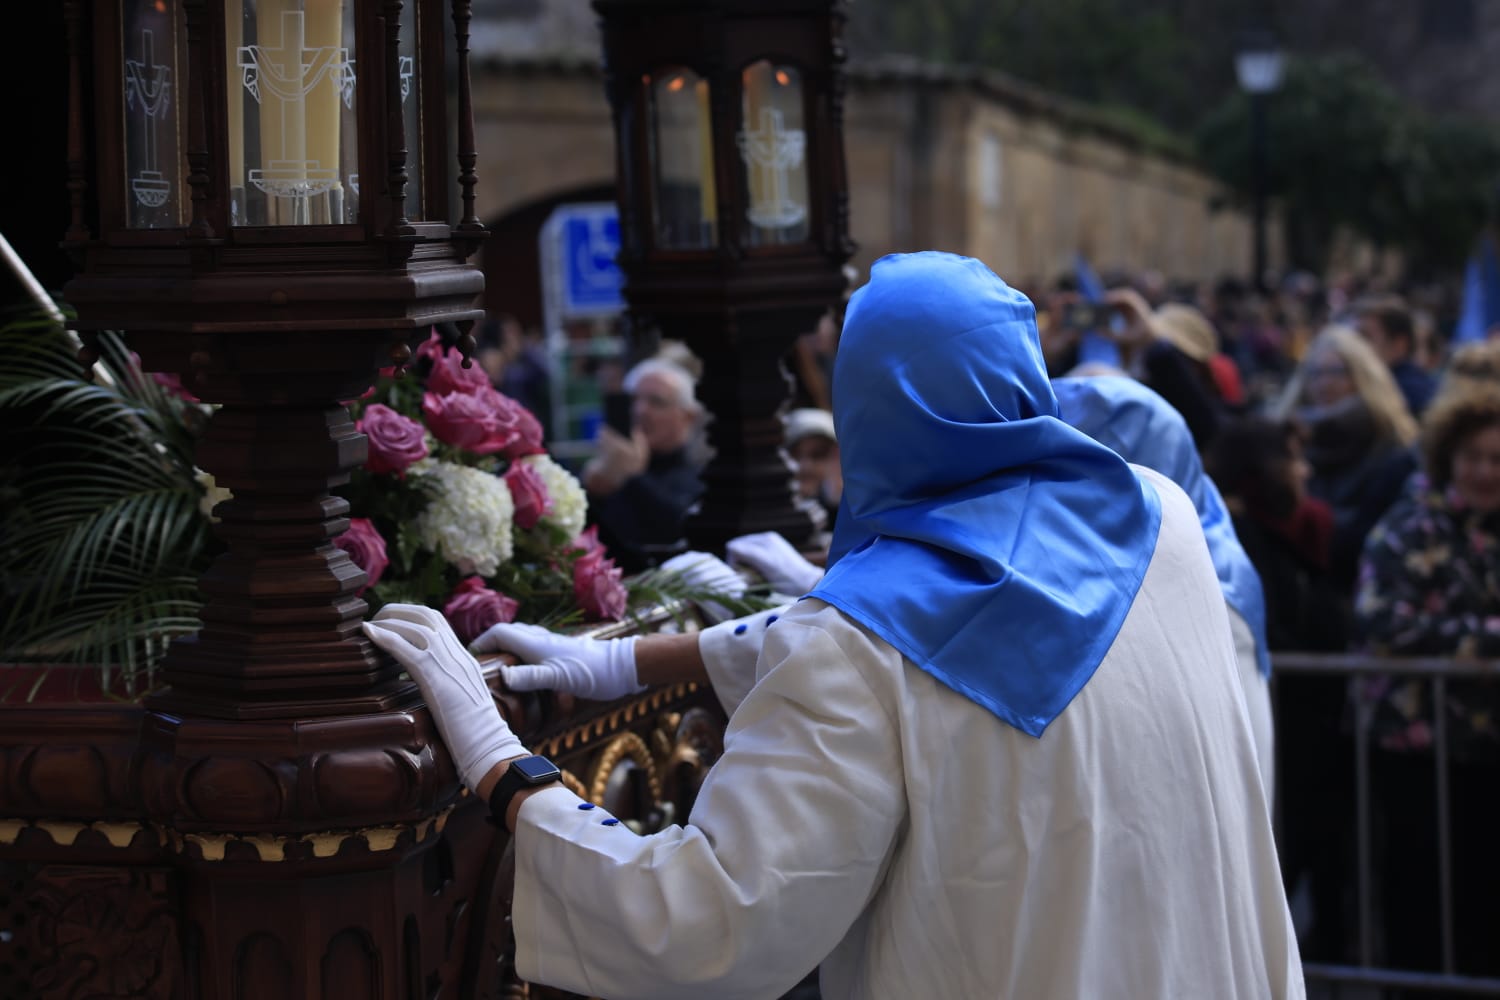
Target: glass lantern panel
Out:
[682,156]
[411,104]
[293,143]
[773,146]
[154,165]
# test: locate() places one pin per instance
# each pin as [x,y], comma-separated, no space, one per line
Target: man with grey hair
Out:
[642,486]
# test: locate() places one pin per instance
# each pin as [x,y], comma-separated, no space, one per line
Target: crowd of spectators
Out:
[1358,455]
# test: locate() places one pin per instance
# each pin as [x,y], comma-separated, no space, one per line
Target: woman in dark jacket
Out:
[1430,585]
[1359,434]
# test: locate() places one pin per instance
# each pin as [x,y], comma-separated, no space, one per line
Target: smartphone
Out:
[1087,316]
[617,412]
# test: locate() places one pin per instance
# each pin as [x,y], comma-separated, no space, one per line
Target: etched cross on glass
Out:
[773,146]
[148,90]
[298,73]
[771,151]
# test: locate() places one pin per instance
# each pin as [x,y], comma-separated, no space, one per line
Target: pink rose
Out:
[529,493]
[529,435]
[448,374]
[366,548]
[597,587]
[432,348]
[395,441]
[473,607]
[509,424]
[480,422]
[588,541]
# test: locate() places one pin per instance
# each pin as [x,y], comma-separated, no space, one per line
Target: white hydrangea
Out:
[569,503]
[468,518]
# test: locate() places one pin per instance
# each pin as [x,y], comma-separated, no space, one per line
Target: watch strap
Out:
[513,782]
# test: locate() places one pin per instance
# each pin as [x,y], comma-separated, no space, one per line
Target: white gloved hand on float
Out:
[598,669]
[704,572]
[452,684]
[774,558]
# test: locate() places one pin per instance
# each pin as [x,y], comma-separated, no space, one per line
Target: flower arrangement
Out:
[459,506]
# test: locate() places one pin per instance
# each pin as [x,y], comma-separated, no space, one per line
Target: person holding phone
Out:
[998,751]
[643,480]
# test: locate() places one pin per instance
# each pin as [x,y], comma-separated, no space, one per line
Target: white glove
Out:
[774,558]
[705,572]
[599,669]
[422,641]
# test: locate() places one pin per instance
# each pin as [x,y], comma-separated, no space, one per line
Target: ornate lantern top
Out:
[728,116]
[271,162]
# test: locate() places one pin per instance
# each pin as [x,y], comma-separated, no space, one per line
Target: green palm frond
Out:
[103,537]
[659,587]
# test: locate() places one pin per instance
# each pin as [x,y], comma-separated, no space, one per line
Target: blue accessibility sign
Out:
[580,242]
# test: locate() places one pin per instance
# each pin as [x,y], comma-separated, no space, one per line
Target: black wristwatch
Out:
[523,773]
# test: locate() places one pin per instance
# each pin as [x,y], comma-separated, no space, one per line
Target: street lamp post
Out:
[1259,64]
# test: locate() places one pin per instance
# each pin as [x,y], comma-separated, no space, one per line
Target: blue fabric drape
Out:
[1143,428]
[992,544]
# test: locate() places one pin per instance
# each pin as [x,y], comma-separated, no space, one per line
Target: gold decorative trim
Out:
[65,833]
[215,846]
[595,729]
[571,783]
[625,745]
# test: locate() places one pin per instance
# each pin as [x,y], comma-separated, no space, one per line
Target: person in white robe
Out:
[999,750]
[1142,427]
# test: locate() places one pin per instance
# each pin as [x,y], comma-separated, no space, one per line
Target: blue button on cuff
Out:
[609,822]
[585,805]
[740,629]
[771,619]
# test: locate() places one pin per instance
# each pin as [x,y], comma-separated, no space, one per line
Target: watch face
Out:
[537,770]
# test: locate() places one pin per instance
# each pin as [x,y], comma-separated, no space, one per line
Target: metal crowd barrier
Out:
[1366,976]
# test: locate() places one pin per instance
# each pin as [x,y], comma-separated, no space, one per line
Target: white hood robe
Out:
[865,817]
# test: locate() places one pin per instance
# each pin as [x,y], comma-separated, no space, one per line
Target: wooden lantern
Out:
[265,200]
[734,215]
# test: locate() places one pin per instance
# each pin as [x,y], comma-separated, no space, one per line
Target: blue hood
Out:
[1143,428]
[996,547]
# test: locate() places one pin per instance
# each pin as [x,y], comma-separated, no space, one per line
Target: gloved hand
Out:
[774,558]
[704,572]
[422,641]
[600,669]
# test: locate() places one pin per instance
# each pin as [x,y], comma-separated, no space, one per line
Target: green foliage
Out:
[103,537]
[1106,52]
[1345,150]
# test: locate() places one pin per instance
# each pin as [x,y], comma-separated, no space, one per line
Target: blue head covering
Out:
[1143,428]
[992,544]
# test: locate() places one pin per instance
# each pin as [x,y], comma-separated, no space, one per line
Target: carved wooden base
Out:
[324,858]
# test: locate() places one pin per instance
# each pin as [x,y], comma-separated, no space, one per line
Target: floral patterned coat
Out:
[1429,584]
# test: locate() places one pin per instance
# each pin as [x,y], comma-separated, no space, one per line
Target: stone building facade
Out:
[973,163]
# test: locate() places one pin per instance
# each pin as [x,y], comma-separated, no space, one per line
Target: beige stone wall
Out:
[539,132]
[934,164]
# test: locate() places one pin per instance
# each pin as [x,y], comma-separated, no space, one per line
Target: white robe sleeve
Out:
[730,650]
[787,844]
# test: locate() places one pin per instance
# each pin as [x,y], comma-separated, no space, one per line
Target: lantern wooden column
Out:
[281,615]
[748,483]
